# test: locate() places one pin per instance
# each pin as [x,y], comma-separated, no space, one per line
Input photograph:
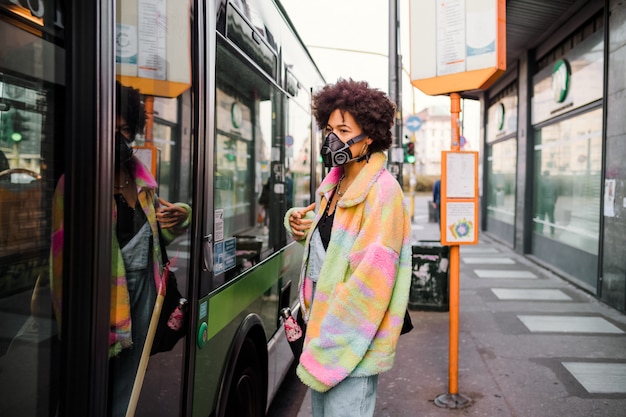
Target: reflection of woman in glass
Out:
[136,263]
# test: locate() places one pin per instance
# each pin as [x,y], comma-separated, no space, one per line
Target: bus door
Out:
[239,304]
[153,55]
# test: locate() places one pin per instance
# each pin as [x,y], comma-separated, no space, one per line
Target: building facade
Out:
[431,139]
[553,150]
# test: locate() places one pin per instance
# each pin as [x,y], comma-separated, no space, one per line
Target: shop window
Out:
[502,161]
[567,181]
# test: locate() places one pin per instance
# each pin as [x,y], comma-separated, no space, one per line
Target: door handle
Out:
[207,253]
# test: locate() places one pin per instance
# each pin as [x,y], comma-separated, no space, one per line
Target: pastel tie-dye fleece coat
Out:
[362,293]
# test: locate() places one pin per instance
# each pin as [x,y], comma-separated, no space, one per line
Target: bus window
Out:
[152,197]
[298,149]
[173,151]
[249,174]
[31,141]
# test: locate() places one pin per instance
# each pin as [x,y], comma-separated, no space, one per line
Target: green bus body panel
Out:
[226,305]
[256,292]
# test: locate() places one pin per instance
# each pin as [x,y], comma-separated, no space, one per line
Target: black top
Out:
[129,219]
[325,224]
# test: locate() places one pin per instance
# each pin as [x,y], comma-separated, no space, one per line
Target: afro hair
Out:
[370,108]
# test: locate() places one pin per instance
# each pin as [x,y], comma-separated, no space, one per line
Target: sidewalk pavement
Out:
[531,344]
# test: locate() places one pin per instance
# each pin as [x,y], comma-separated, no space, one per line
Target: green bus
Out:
[227,88]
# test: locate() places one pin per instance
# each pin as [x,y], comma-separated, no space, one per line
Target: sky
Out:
[329,27]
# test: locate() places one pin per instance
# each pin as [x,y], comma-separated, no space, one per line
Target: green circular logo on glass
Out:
[560,80]
[236,115]
[500,111]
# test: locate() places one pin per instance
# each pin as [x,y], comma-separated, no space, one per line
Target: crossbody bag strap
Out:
[164,256]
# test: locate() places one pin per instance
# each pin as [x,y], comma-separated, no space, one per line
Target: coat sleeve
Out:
[309,216]
[172,233]
[359,307]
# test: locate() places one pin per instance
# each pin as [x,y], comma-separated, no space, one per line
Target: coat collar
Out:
[361,185]
[143,176]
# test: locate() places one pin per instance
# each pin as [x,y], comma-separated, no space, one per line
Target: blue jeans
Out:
[352,397]
[137,254]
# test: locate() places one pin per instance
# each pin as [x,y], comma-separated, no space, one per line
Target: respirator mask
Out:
[336,153]
[123,149]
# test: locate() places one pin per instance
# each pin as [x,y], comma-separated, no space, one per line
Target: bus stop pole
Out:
[453,371]
[453,366]
[453,399]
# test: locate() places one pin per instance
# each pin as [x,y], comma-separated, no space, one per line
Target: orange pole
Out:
[455,110]
[453,370]
[453,399]
[453,367]
[149,107]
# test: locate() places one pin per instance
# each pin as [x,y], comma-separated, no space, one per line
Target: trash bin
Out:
[430,276]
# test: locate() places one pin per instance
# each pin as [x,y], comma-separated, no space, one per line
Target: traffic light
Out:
[409,153]
[12,125]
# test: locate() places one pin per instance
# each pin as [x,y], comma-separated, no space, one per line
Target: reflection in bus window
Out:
[221,65]
[161,392]
[153,55]
[245,164]
[28,341]
[298,153]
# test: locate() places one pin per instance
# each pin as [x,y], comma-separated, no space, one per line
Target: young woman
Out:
[356,275]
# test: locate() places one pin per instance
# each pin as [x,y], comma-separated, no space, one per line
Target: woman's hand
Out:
[170,215]
[299,225]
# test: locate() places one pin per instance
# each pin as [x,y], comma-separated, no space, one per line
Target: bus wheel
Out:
[246,397]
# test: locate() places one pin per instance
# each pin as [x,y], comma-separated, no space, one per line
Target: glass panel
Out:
[298,151]
[249,176]
[583,66]
[503,117]
[152,187]
[31,142]
[568,168]
[502,161]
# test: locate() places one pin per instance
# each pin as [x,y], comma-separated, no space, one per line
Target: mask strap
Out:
[365,157]
[356,139]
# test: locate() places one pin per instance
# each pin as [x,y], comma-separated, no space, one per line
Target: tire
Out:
[246,394]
